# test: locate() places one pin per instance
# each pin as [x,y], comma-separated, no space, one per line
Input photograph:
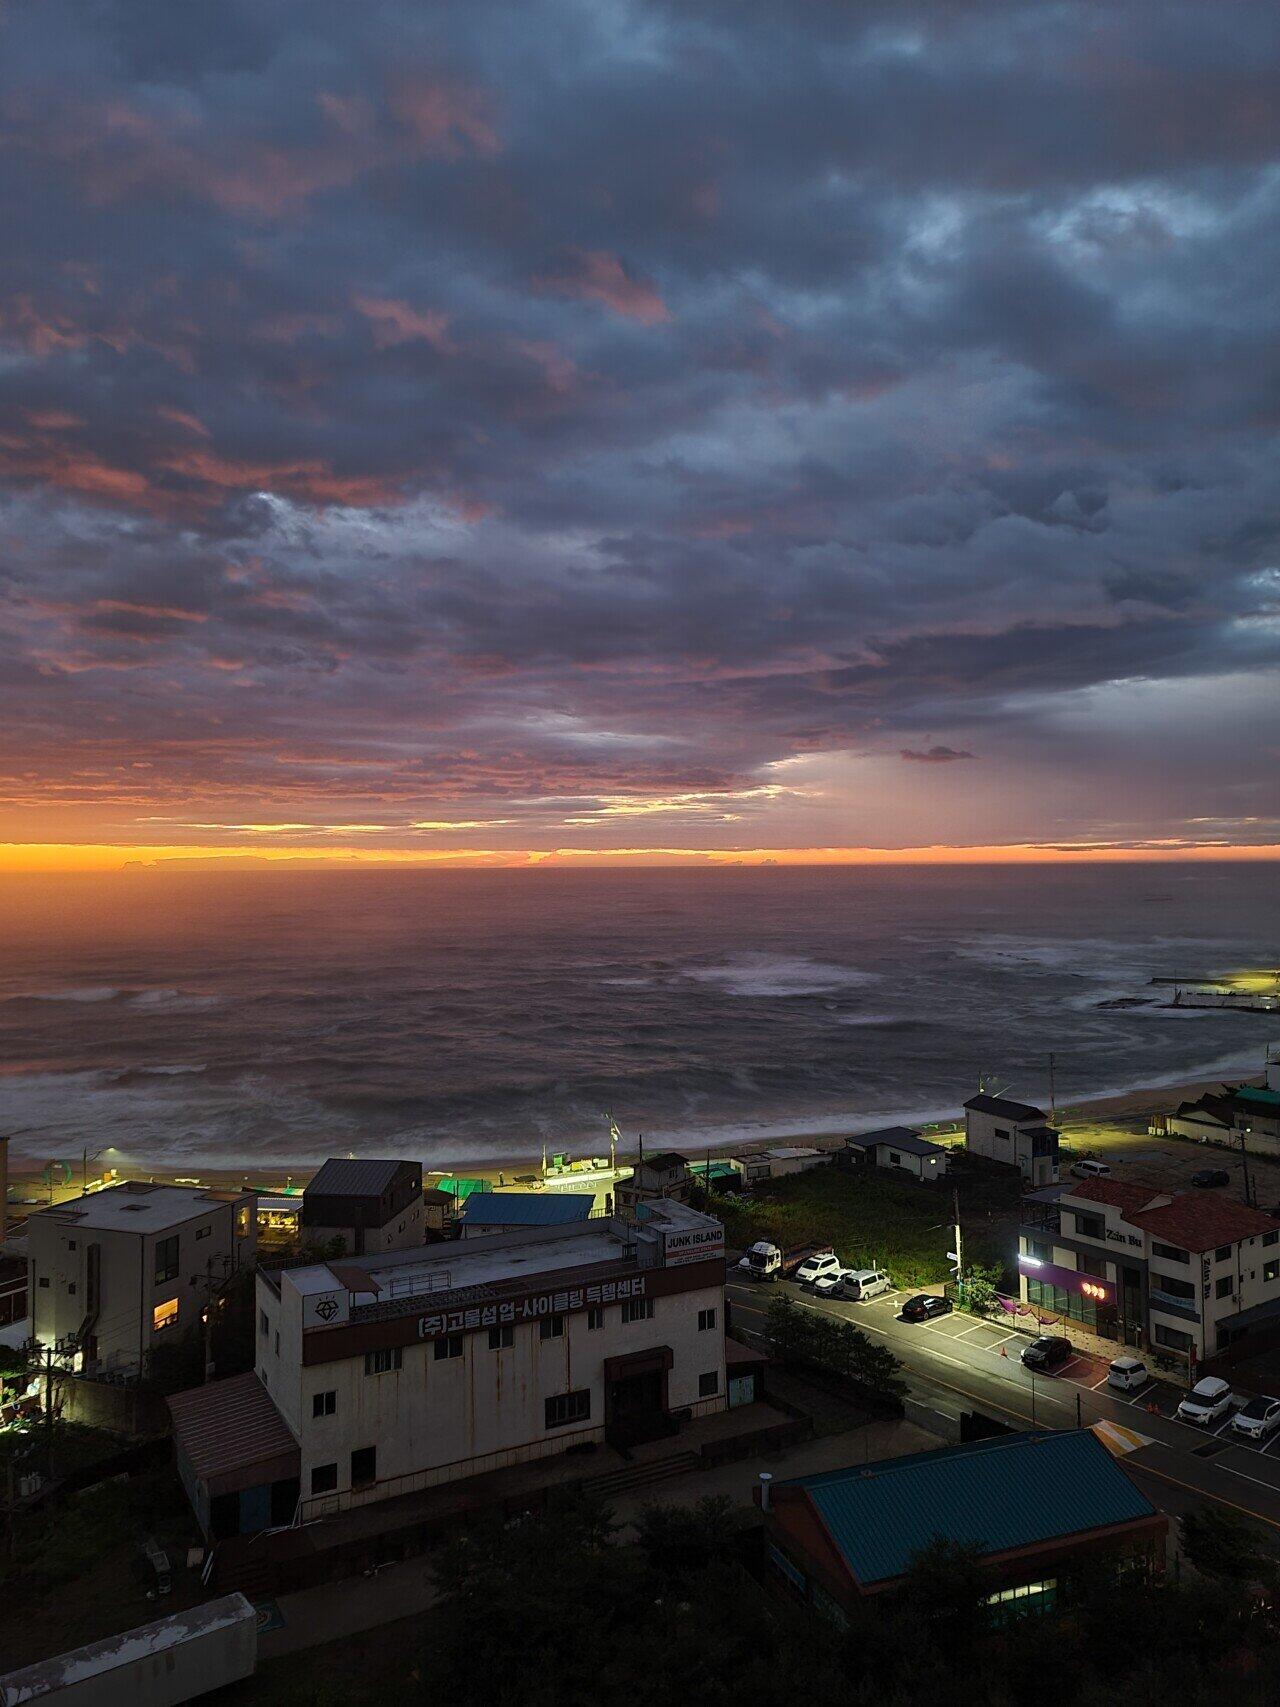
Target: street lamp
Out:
[91,1156]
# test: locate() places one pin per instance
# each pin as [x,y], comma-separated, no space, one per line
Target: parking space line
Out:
[1224,1424]
[1098,1384]
[1142,1393]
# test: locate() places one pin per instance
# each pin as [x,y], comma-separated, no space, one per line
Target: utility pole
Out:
[957,1253]
[1244,1163]
[1053,1101]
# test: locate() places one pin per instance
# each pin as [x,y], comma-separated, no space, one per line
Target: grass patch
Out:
[874,1220]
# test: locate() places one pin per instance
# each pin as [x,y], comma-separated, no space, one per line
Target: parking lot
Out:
[1167,1162]
[983,1359]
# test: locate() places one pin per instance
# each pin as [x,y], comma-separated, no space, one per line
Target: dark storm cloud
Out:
[400,404]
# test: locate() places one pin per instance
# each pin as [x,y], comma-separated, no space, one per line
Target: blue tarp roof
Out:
[527,1208]
[996,1495]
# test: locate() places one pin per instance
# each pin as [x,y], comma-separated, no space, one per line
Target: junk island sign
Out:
[530,1309]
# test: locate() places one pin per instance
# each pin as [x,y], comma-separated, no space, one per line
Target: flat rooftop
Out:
[467,1262]
[137,1207]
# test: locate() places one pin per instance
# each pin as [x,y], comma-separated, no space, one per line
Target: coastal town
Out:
[277,1404]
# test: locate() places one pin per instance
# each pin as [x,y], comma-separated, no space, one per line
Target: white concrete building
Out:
[1187,1272]
[1015,1133]
[393,1373]
[121,1270]
[781,1160]
[900,1148]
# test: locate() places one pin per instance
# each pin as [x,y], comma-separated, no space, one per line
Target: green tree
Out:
[1225,1548]
[979,1286]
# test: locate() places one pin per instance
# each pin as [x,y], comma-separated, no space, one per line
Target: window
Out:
[71,1244]
[43,1280]
[637,1310]
[1090,1226]
[364,1466]
[166,1259]
[708,1384]
[449,1346]
[706,1319]
[501,1338]
[1001,1131]
[71,1289]
[1223,1287]
[1271,1270]
[567,1408]
[1170,1287]
[324,1405]
[324,1478]
[204,1232]
[1170,1253]
[1271,1238]
[550,1327]
[264,1323]
[595,1318]
[1040,1250]
[1172,1337]
[277,1342]
[382,1362]
[164,1315]
[1222,1254]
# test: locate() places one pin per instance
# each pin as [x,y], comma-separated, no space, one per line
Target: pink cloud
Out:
[395,322]
[595,275]
[444,118]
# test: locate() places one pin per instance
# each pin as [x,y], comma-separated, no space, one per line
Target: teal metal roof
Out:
[461,1188]
[1014,1491]
[527,1208]
[1255,1093]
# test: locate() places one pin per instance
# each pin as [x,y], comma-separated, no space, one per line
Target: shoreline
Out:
[1117,1105]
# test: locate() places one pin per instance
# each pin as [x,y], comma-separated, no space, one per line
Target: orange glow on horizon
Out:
[48,857]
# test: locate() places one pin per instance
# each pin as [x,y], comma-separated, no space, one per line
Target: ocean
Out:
[268,1019]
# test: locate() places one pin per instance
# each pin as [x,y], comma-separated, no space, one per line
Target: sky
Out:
[638,430]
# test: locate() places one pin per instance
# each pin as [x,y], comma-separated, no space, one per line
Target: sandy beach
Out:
[1124,1108]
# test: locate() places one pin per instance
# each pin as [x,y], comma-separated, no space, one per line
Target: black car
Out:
[1048,1353]
[924,1307]
[1211,1176]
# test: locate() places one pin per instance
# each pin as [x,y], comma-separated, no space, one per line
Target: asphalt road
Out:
[957,1364]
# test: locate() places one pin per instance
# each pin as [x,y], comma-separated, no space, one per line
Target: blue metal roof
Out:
[527,1208]
[1014,1491]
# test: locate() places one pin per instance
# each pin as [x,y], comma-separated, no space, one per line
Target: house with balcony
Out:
[1015,1133]
[1186,1272]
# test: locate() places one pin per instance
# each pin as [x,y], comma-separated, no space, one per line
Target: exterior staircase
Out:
[642,1473]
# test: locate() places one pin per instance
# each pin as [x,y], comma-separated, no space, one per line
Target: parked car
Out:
[1259,1418]
[924,1307]
[1207,1401]
[1048,1353]
[829,1285]
[1128,1374]
[822,1263]
[863,1283]
[1211,1177]
[1089,1170]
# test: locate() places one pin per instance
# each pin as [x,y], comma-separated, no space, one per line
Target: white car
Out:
[1258,1418]
[814,1268]
[828,1285]
[1127,1374]
[1207,1401]
[863,1283]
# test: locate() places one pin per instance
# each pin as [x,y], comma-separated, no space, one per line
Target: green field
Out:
[876,1221]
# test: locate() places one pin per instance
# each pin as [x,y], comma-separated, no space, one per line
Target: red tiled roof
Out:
[232,1435]
[1124,1195]
[1203,1220]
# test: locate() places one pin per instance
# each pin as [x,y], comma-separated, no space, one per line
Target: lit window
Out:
[164,1315]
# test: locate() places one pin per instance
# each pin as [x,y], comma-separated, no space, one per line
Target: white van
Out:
[1090,1170]
[863,1283]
